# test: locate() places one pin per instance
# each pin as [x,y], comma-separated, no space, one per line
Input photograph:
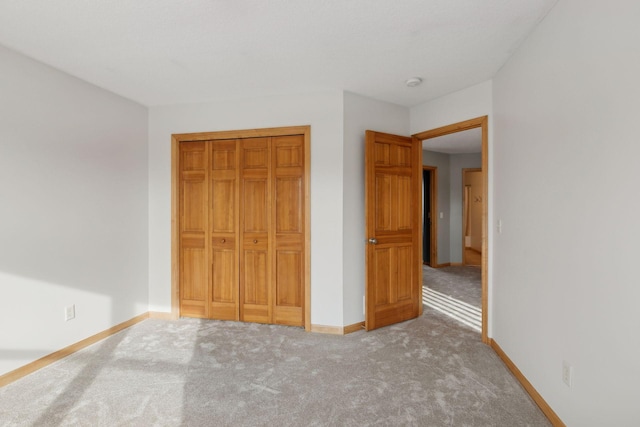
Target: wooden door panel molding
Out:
[194,261]
[223,194]
[402,217]
[256,313]
[289,277]
[224,155]
[255,153]
[383,204]
[255,158]
[223,272]
[392,177]
[255,275]
[255,212]
[288,201]
[289,152]
[193,206]
[193,156]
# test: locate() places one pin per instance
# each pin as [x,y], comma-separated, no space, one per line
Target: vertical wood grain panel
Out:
[224,303]
[405,273]
[289,278]
[223,272]
[289,205]
[256,209]
[193,230]
[403,203]
[255,231]
[255,277]
[193,203]
[392,211]
[223,205]
[194,273]
[383,202]
[382,268]
[288,228]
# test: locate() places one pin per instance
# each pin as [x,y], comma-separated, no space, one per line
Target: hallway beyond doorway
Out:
[456,292]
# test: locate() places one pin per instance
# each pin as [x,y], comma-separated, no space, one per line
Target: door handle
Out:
[373,241]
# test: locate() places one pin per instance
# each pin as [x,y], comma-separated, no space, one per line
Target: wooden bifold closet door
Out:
[242,229]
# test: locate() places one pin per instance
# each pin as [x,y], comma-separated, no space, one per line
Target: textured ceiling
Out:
[468,141]
[169,51]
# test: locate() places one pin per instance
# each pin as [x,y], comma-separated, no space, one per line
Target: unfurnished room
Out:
[319,213]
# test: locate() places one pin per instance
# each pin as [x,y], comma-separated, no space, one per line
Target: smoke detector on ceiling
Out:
[413,81]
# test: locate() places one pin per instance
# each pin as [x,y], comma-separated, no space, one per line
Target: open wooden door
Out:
[393,205]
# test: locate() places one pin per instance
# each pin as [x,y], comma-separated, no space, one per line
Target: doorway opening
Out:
[482,124]
[472,217]
[429,216]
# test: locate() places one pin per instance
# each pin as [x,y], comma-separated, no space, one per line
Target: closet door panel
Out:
[255,211]
[223,204]
[194,192]
[256,292]
[289,301]
[193,274]
[255,254]
[224,302]
[288,229]
[193,200]
[242,229]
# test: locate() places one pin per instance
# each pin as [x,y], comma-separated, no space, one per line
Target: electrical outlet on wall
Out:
[567,373]
[70,312]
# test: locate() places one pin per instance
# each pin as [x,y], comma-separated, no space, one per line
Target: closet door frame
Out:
[176,139]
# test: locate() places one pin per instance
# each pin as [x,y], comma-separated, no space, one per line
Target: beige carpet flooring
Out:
[429,371]
[463,283]
[455,292]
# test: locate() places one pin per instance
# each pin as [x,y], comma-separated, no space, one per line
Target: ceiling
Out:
[159,52]
[467,141]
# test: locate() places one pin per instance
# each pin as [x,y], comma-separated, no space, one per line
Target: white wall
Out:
[566,283]
[361,114]
[457,163]
[465,104]
[73,209]
[324,112]
[475,101]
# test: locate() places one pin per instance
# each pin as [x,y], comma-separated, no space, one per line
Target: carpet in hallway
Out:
[463,283]
[424,372]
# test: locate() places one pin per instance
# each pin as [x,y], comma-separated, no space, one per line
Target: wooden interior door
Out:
[393,226]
